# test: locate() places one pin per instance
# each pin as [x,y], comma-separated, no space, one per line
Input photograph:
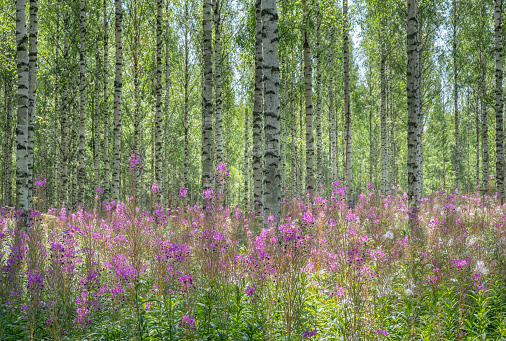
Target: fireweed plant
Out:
[209,272]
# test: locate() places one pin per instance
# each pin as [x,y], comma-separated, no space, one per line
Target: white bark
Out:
[207,98]
[413,104]
[308,87]
[118,85]
[272,158]
[347,113]
[499,139]
[158,119]
[106,180]
[22,162]
[82,92]
[257,112]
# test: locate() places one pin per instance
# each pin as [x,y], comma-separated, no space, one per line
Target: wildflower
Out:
[308,334]
[382,332]
[155,188]
[188,321]
[183,192]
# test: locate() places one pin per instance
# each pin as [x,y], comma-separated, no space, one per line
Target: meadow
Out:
[208,272]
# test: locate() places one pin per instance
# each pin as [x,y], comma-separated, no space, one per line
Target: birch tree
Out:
[258,111]
[272,157]
[118,85]
[22,162]
[413,104]
[217,82]
[158,119]
[308,87]
[347,113]
[32,89]
[207,97]
[105,76]
[82,99]
[499,140]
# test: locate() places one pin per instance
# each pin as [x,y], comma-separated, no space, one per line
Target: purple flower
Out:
[183,192]
[308,334]
[189,321]
[382,332]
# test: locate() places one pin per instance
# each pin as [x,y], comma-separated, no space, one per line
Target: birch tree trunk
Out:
[246,161]
[22,173]
[478,135]
[258,112]
[484,125]
[455,97]
[207,98]
[332,116]
[8,141]
[158,119]
[217,82]
[96,131]
[186,103]
[32,90]
[118,85]
[383,123]
[308,86]
[82,92]
[499,140]
[106,104]
[283,132]
[166,114]
[63,196]
[412,101]
[293,150]
[319,144]
[371,146]
[419,131]
[272,157]
[347,113]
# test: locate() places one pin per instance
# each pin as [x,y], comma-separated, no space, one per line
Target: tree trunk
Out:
[186,103]
[478,135]
[484,125]
[207,98]
[293,150]
[499,140]
[419,92]
[332,115]
[455,97]
[272,157]
[283,132]
[118,85]
[96,132]
[158,120]
[106,104]
[384,138]
[347,114]
[246,160]
[308,86]
[22,173]
[258,112]
[166,114]
[32,92]
[319,144]
[412,101]
[8,141]
[371,145]
[82,92]
[217,82]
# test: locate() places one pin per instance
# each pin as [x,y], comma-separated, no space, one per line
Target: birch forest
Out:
[252,170]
